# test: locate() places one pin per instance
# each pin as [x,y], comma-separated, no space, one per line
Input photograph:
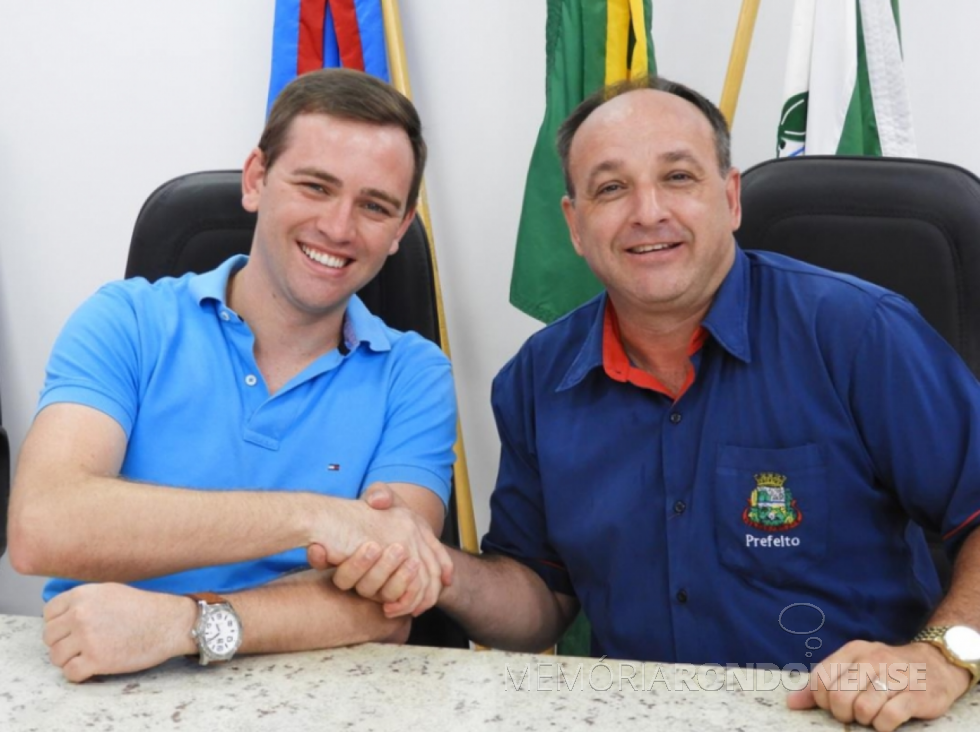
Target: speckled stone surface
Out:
[375,687]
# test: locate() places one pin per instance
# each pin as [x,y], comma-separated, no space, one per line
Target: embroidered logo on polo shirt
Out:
[333,467]
[771,505]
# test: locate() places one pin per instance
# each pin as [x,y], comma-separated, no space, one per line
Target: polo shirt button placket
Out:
[250,380]
[675,418]
[225,316]
[680,507]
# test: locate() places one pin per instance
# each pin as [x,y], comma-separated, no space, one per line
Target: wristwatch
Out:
[218,630]
[959,643]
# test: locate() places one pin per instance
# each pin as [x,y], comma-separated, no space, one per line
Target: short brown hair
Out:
[723,139]
[345,94]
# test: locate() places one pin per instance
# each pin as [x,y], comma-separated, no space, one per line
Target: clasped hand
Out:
[386,552]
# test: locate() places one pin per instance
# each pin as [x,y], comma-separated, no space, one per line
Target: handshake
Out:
[385,552]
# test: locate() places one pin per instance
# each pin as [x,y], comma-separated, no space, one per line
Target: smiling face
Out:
[652,215]
[331,209]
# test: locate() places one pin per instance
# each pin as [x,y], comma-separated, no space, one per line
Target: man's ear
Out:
[568,208]
[402,228]
[733,192]
[253,179]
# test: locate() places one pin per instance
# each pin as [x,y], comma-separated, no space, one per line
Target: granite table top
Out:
[379,687]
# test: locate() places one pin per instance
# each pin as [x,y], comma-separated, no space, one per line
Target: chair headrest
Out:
[912,226]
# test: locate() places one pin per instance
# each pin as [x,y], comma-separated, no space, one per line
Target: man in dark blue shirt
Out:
[719,457]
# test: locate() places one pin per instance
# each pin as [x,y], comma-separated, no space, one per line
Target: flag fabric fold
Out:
[315,34]
[845,91]
[589,43]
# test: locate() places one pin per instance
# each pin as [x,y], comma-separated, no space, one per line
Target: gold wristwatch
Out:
[959,643]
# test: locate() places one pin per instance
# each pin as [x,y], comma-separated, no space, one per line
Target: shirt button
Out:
[225,316]
[251,380]
[680,507]
[682,596]
[675,418]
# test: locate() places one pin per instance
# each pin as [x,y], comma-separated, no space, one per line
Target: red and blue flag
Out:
[316,34]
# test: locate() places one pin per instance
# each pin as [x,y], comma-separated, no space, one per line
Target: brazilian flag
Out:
[590,43]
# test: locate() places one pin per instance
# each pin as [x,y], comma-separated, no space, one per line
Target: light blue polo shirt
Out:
[174,366]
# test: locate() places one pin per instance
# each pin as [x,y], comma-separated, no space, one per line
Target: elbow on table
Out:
[32,543]
[23,556]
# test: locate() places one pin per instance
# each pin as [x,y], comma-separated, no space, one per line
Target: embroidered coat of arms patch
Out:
[771,505]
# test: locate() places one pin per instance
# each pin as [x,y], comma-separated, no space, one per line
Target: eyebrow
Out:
[383,196]
[681,156]
[334,180]
[606,166]
[611,166]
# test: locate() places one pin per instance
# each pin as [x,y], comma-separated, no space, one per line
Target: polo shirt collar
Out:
[726,321]
[360,326]
[213,285]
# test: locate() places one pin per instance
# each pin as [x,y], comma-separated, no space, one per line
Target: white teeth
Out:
[652,248]
[327,260]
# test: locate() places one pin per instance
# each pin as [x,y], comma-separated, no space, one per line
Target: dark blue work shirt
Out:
[763,517]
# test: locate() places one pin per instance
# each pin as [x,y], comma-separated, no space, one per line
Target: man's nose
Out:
[649,205]
[336,221]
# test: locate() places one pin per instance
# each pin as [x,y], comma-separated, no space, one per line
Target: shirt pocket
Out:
[771,507]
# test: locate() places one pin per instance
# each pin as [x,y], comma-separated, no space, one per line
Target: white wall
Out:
[103,100]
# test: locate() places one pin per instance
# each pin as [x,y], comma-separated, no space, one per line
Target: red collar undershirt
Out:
[617,365]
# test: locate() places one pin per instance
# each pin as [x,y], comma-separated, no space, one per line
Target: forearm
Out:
[107,529]
[503,604]
[306,611]
[961,606]
[111,628]
[300,612]
[71,515]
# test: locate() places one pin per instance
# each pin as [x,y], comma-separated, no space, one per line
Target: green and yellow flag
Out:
[590,43]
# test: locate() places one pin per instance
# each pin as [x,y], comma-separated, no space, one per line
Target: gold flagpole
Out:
[399,79]
[738,59]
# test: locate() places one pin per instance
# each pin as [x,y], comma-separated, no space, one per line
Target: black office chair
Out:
[912,226]
[4,486]
[195,222]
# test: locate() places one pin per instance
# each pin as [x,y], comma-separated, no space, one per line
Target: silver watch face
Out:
[964,642]
[222,633]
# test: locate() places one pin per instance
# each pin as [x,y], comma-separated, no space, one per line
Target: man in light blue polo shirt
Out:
[195,436]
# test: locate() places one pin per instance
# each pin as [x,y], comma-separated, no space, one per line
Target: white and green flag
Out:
[845,85]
